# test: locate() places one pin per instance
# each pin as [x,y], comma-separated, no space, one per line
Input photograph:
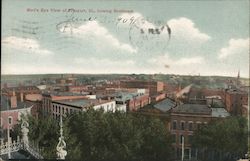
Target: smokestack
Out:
[21,96]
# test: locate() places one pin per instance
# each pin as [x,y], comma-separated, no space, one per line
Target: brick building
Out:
[154,87]
[235,101]
[48,97]
[63,107]
[185,119]
[11,111]
[20,92]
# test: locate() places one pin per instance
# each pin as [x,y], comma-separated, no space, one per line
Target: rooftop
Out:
[192,108]
[81,102]
[219,112]
[5,104]
[165,105]
[56,93]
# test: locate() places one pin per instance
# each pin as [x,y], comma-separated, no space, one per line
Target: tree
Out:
[223,140]
[44,132]
[95,135]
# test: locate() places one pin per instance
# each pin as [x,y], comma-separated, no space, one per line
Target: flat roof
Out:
[165,105]
[219,112]
[192,108]
[81,102]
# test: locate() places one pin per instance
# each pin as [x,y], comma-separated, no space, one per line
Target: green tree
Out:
[44,132]
[223,140]
[95,135]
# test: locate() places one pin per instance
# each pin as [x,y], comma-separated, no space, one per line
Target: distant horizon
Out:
[124,74]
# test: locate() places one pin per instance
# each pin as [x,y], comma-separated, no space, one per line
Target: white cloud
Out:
[185,29]
[92,29]
[235,47]
[27,45]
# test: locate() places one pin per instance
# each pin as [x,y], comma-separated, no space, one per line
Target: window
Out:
[10,120]
[71,110]
[190,126]
[56,108]
[182,125]
[174,124]
[63,110]
[67,110]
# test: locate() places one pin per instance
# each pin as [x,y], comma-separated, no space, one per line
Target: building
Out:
[20,91]
[12,110]
[185,119]
[64,107]
[133,101]
[49,96]
[154,87]
[235,101]
[77,89]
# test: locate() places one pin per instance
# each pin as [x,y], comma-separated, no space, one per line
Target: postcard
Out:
[109,51]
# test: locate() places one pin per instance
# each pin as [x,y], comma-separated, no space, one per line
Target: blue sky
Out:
[207,37]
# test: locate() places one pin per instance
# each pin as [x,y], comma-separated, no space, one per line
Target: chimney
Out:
[13,100]
[21,96]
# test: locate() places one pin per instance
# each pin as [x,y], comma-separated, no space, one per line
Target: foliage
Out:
[95,135]
[44,132]
[227,137]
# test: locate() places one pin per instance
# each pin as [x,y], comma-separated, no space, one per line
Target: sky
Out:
[93,37]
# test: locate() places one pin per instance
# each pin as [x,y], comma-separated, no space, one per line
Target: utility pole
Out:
[182,148]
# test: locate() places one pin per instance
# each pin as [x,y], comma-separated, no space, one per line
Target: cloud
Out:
[25,44]
[93,30]
[184,29]
[235,47]
[184,65]
[190,61]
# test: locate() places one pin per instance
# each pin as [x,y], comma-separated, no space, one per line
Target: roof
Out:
[124,96]
[219,112]
[215,103]
[5,104]
[11,89]
[81,102]
[192,108]
[165,105]
[55,93]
